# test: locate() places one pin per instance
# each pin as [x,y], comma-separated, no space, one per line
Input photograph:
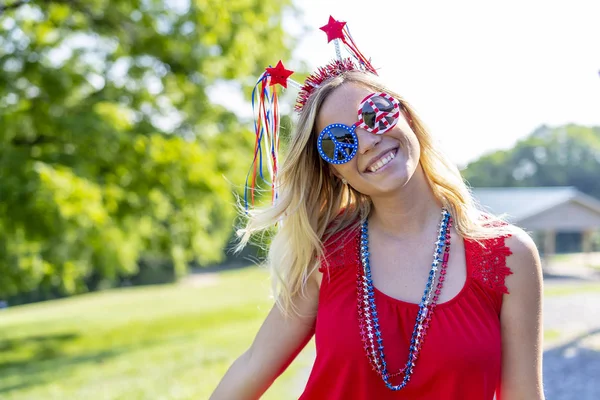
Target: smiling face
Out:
[383,163]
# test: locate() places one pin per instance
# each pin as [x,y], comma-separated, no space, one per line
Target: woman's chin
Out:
[391,181]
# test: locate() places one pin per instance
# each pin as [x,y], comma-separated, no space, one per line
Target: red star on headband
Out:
[279,74]
[333,29]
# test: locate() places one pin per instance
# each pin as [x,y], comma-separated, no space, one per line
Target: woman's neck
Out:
[408,212]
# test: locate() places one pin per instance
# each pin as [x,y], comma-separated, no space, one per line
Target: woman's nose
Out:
[366,140]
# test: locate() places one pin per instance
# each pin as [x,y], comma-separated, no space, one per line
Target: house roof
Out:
[524,202]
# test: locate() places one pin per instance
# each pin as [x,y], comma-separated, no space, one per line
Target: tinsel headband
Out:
[265,104]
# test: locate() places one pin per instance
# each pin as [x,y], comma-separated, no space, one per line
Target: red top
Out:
[461,355]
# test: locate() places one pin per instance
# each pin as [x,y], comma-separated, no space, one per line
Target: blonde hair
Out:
[313,205]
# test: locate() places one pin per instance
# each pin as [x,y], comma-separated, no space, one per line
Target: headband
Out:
[265,103]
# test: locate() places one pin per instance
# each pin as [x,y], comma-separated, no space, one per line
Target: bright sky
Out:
[481,75]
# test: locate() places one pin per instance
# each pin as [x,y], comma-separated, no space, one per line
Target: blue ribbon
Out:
[268,102]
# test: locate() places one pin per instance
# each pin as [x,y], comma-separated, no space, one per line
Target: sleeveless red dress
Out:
[461,355]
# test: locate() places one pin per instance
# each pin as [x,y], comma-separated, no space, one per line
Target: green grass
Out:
[160,342]
[551,335]
[570,289]
[561,257]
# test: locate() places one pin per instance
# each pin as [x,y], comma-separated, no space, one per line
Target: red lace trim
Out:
[489,263]
[340,249]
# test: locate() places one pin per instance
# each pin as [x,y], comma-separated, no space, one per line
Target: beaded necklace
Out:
[367,310]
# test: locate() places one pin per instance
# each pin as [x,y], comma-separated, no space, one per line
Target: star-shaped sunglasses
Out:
[377,113]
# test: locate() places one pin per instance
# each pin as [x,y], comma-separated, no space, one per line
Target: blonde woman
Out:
[481,337]
[381,254]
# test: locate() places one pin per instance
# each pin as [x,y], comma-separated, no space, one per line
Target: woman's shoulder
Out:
[513,242]
[524,262]
[521,244]
[504,261]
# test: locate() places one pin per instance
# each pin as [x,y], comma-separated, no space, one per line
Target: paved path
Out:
[572,364]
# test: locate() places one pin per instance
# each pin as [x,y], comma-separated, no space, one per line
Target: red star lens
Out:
[378,113]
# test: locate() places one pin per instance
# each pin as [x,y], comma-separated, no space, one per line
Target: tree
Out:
[110,143]
[561,156]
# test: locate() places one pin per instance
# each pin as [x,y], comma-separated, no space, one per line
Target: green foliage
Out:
[562,156]
[157,342]
[110,145]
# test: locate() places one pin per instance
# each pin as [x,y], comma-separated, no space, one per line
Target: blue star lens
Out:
[337,143]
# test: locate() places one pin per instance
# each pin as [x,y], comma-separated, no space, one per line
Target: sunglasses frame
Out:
[359,124]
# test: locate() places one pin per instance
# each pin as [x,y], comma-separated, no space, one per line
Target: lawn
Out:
[159,342]
[571,289]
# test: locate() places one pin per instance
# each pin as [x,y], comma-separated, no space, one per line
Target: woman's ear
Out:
[335,173]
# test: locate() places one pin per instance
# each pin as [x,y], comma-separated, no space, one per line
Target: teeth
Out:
[382,162]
